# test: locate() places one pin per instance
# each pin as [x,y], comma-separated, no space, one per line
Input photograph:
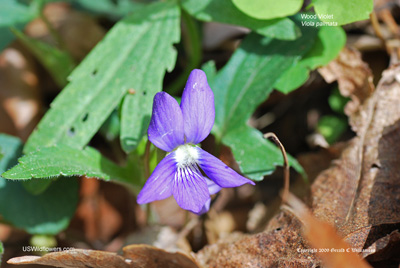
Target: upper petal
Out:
[197,107]
[220,173]
[160,184]
[190,189]
[166,124]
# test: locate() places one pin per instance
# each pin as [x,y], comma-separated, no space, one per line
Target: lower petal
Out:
[213,188]
[190,189]
[159,185]
[205,208]
[220,173]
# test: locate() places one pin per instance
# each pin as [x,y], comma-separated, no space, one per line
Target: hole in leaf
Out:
[376,165]
[71,132]
[85,117]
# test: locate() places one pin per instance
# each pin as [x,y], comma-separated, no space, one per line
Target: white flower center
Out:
[186,155]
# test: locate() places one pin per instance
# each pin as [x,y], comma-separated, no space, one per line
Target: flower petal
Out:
[197,107]
[160,184]
[190,189]
[220,173]
[166,124]
[213,188]
[206,207]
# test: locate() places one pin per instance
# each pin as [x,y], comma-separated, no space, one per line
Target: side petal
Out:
[197,107]
[190,189]
[220,173]
[213,188]
[166,124]
[160,184]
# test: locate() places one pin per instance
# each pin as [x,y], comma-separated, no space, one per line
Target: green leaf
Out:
[268,9]
[6,37]
[244,83]
[40,240]
[332,127]
[153,57]
[121,61]
[329,43]
[337,101]
[111,8]
[255,155]
[342,11]
[63,160]
[210,69]
[47,213]
[14,12]
[224,11]
[36,187]
[58,63]
[11,149]
[111,127]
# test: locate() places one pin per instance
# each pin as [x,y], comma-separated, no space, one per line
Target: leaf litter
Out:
[138,256]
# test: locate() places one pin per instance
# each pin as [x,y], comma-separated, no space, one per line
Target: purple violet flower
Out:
[176,129]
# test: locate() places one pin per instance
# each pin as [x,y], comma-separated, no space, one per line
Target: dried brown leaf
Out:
[355,81]
[361,192]
[101,220]
[144,256]
[280,246]
[323,238]
[316,162]
[135,256]
[385,248]
[75,258]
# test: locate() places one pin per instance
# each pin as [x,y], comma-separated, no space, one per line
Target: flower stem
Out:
[286,166]
[146,160]
[57,37]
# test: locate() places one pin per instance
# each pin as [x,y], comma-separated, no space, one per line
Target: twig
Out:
[286,166]
[188,227]
[388,19]
[376,26]
[53,32]
[146,159]
[392,46]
